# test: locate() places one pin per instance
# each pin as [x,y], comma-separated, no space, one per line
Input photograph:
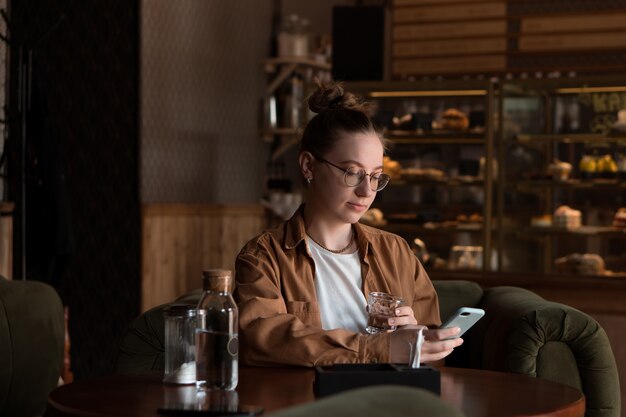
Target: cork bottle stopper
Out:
[217,280]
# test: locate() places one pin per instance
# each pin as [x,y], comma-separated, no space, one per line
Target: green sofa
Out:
[31,346]
[521,332]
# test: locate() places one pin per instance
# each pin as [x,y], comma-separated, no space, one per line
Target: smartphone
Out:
[465,317]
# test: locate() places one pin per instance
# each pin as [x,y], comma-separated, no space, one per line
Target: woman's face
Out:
[329,194]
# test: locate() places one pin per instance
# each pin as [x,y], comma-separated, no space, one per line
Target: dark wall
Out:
[82,196]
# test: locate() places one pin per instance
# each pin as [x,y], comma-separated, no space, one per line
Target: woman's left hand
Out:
[404,316]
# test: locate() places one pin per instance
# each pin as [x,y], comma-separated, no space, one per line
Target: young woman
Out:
[301,287]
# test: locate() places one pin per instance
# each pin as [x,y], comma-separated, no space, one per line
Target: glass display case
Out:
[551,199]
[561,144]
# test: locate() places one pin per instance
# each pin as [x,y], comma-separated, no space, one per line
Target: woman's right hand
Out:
[436,346]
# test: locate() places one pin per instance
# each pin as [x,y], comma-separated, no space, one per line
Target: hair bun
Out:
[332,96]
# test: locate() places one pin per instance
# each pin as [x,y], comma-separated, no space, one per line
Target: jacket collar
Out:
[295,231]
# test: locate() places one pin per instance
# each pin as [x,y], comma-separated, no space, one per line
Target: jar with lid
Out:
[293,39]
[180,325]
[217,333]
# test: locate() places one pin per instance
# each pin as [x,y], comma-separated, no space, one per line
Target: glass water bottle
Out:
[217,333]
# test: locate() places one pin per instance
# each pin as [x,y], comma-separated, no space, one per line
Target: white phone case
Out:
[465,317]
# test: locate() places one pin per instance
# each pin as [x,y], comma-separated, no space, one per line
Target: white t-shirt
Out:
[338,285]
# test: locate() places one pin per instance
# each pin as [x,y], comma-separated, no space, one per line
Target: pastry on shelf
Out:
[402,217]
[414,174]
[585,264]
[567,218]
[619,220]
[454,120]
[373,217]
[472,218]
[587,166]
[619,127]
[560,170]
[607,168]
[405,122]
[544,220]
[392,168]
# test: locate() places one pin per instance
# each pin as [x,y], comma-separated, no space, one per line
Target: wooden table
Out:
[476,393]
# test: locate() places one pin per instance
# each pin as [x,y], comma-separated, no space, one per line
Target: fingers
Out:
[434,357]
[441,334]
[404,316]
[434,351]
[442,345]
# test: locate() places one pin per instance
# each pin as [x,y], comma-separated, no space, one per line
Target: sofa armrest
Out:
[550,340]
[142,348]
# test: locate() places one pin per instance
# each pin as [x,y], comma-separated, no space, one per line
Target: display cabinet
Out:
[561,144]
[526,175]
[439,134]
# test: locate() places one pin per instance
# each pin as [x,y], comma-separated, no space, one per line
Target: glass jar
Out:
[466,257]
[293,39]
[180,351]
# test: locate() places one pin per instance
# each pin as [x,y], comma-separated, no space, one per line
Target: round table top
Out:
[475,392]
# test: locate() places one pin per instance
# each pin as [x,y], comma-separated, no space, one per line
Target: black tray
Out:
[332,379]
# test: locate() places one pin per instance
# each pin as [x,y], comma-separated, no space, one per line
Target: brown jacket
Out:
[279,314]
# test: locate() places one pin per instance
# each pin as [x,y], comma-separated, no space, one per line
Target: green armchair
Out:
[521,332]
[31,346]
[525,334]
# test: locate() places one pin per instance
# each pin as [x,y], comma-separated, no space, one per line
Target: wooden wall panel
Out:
[431,13]
[562,42]
[585,23]
[421,31]
[181,240]
[6,240]
[469,36]
[449,47]
[506,36]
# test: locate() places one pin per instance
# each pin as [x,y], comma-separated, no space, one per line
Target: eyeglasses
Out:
[354,176]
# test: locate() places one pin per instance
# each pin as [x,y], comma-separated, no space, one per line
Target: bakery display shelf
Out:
[570,183]
[398,137]
[424,88]
[446,182]
[570,138]
[604,231]
[417,229]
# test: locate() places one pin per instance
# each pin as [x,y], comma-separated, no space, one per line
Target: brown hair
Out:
[338,113]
